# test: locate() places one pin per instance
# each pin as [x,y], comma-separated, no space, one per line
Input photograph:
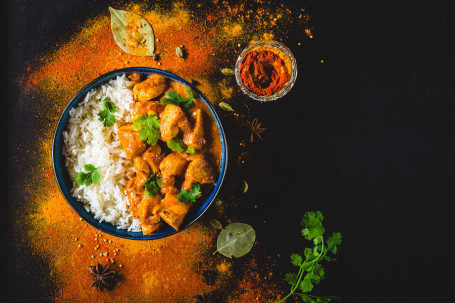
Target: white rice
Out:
[87,141]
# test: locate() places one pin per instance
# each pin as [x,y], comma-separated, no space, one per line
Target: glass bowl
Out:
[281,50]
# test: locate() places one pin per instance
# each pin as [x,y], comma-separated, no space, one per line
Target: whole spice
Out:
[179,52]
[100,275]
[255,129]
[236,239]
[227,71]
[225,106]
[263,73]
[132,33]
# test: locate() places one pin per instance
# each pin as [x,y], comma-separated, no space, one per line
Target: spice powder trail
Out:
[154,271]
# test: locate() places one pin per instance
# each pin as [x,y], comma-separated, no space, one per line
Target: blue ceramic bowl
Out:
[64,181]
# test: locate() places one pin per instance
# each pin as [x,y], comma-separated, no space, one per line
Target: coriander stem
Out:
[300,274]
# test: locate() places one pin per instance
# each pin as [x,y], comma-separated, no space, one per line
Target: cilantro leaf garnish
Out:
[153,186]
[186,196]
[176,145]
[311,271]
[106,115]
[174,98]
[91,176]
[149,128]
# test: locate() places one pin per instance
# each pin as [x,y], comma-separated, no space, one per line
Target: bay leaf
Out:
[132,33]
[236,239]
[227,71]
[225,106]
[216,224]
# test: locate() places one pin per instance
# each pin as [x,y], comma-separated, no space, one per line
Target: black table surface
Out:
[366,137]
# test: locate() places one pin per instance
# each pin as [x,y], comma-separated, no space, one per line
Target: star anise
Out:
[209,277]
[100,276]
[204,298]
[255,128]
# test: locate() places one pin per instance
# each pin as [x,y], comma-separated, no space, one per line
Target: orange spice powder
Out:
[165,270]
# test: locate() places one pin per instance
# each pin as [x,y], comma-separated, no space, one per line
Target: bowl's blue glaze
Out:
[65,184]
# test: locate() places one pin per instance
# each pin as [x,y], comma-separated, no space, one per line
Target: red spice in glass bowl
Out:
[266,70]
[263,72]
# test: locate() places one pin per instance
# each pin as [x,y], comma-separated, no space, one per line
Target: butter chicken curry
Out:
[175,147]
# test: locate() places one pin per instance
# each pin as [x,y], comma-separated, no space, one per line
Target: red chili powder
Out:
[263,73]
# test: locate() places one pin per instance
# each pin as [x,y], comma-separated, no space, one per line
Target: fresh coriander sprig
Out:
[91,176]
[178,146]
[106,115]
[186,196]
[153,186]
[174,98]
[310,270]
[149,128]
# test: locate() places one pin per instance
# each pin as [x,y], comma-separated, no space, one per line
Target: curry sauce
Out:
[164,174]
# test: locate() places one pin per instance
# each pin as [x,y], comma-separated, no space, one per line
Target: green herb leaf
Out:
[311,271]
[153,186]
[105,115]
[92,175]
[132,33]
[333,242]
[176,145]
[291,278]
[236,239]
[305,284]
[149,128]
[186,196]
[190,150]
[312,223]
[296,259]
[108,105]
[174,98]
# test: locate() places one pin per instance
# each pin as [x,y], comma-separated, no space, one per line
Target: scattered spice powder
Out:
[164,270]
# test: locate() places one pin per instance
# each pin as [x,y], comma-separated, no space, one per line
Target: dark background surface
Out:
[366,137]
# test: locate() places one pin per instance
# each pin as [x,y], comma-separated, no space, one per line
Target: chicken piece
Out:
[153,157]
[131,141]
[180,89]
[195,137]
[148,229]
[135,77]
[150,108]
[172,117]
[199,170]
[142,169]
[135,191]
[152,87]
[146,208]
[172,165]
[143,207]
[172,211]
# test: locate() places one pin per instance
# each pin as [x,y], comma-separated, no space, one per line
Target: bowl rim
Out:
[273,44]
[78,207]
